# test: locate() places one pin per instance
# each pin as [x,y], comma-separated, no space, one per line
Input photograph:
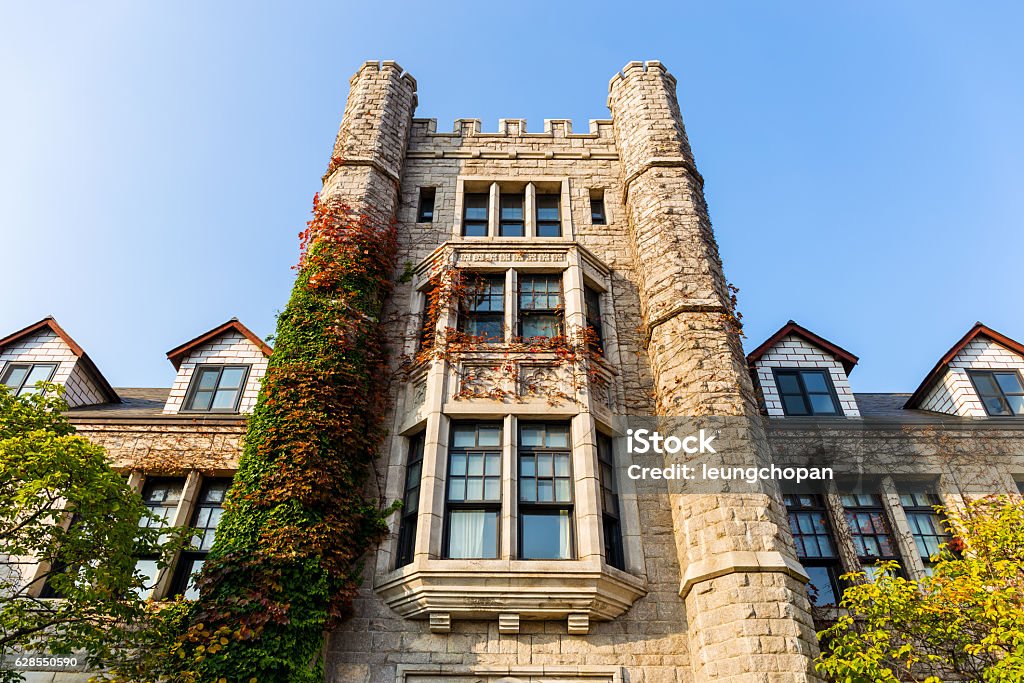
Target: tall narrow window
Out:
[216,388]
[511,219]
[869,526]
[925,523]
[162,497]
[21,378]
[806,392]
[482,308]
[597,215]
[1000,391]
[610,516]
[425,211]
[474,491]
[474,215]
[549,224]
[205,518]
[410,502]
[545,492]
[540,306]
[592,309]
[812,533]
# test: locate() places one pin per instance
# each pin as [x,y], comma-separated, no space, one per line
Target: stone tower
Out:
[617,580]
[737,558]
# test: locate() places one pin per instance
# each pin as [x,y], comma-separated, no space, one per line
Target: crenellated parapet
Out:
[512,139]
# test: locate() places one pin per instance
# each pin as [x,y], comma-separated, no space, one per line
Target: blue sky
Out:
[863,160]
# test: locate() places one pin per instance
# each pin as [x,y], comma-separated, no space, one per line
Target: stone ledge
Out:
[739,561]
[487,589]
[522,673]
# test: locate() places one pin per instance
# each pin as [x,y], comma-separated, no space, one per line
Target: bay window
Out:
[473,501]
[545,492]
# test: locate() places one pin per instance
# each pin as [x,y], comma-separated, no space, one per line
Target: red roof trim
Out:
[176,354]
[978,330]
[845,357]
[49,323]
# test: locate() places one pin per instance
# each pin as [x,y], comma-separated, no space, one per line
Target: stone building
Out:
[524,550]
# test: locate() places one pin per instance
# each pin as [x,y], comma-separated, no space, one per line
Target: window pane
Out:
[820,586]
[511,207]
[41,372]
[475,489]
[528,490]
[547,207]
[456,489]
[486,327]
[231,378]
[512,230]
[788,383]
[489,436]
[473,534]
[476,205]
[1009,382]
[474,229]
[986,384]
[208,378]
[464,436]
[527,466]
[458,467]
[476,464]
[493,468]
[540,326]
[994,405]
[225,399]
[561,465]
[148,570]
[201,400]
[545,491]
[492,489]
[531,435]
[544,466]
[549,230]
[815,382]
[562,493]
[546,536]
[794,405]
[193,568]
[822,404]
[558,436]
[16,375]
[1016,404]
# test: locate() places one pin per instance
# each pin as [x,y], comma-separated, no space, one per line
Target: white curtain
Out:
[564,526]
[466,534]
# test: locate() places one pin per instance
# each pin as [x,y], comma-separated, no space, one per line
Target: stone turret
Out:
[748,617]
[369,152]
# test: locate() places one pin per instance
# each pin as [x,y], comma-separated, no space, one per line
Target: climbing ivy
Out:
[286,561]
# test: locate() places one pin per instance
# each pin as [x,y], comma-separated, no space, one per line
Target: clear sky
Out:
[863,160]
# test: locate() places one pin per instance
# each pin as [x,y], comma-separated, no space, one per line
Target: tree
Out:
[965,621]
[62,504]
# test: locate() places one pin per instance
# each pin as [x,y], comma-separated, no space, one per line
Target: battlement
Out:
[385,67]
[634,69]
[600,129]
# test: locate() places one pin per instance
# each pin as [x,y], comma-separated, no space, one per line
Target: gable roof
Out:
[176,354]
[847,359]
[48,323]
[979,330]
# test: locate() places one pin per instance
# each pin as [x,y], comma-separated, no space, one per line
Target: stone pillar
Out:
[748,617]
[369,152]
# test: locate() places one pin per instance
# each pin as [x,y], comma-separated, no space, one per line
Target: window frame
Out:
[489,506]
[598,217]
[405,550]
[476,222]
[875,507]
[536,506]
[592,315]
[427,205]
[556,200]
[833,564]
[805,394]
[183,569]
[1002,395]
[147,484]
[919,510]
[611,507]
[523,313]
[193,388]
[22,388]
[467,314]
[519,222]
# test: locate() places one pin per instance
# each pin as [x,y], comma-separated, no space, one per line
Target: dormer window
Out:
[216,388]
[806,392]
[1000,392]
[21,378]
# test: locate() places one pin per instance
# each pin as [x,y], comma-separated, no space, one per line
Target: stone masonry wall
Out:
[744,625]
